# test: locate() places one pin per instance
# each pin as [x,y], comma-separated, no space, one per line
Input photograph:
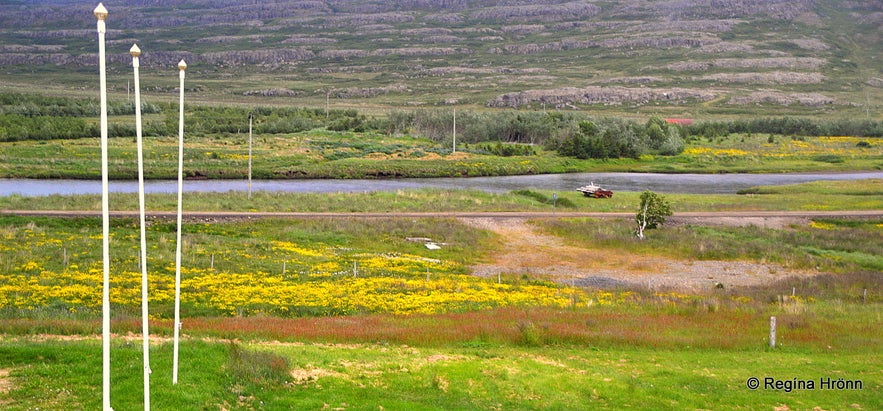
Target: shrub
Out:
[653,210]
[829,158]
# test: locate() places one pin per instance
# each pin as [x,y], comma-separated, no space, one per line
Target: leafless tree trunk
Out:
[642,221]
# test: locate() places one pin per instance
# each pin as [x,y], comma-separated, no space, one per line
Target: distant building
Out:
[679,121]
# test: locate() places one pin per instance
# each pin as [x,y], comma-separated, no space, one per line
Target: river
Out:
[663,183]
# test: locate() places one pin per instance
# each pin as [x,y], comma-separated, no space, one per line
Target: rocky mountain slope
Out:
[691,57]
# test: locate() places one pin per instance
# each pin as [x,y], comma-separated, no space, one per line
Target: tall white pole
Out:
[455,131]
[101,14]
[250,118]
[145,331]
[177,326]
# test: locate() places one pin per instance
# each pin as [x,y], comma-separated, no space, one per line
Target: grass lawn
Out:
[57,375]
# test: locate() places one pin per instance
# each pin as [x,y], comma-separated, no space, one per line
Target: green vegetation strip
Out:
[817,196]
[52,374]
[320,153]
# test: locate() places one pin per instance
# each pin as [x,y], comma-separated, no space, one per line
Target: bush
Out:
[652,211]
[507,149]
[829,158]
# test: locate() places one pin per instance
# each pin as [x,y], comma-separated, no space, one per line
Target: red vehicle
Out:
[595,191]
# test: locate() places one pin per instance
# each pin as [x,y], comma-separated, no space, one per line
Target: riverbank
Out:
[865,194]
[327,155]
[660,182]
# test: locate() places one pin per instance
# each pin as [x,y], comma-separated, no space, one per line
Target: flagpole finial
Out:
[182,65]
[135,51]
[100,12]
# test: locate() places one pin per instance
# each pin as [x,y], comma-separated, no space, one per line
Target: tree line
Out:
[788,126]
[574,134]
[33,105]
[570,134]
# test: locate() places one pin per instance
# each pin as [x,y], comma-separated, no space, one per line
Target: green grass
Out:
[53,374]
[59,375]
[844,195]
[321,153]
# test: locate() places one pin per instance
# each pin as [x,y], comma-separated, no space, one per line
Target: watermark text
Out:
[802,384]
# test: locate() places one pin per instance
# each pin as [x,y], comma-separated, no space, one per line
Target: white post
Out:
[772,332]
[101,14]
[250,118]
[145,331]
[455,131]
[177,325]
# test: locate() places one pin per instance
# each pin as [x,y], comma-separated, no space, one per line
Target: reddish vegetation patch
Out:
[505,325]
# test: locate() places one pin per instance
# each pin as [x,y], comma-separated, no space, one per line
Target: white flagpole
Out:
[101,14]
[177,326]
[145,332]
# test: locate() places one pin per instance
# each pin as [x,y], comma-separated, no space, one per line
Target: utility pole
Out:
[250,119]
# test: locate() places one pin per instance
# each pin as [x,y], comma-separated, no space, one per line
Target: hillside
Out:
[698,59]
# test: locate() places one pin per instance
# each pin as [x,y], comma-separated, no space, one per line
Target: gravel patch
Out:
[531,253]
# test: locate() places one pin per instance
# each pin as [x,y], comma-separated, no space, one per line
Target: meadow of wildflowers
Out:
[779,147]
[241,269]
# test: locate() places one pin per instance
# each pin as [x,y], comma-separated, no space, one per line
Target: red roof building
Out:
[679,121]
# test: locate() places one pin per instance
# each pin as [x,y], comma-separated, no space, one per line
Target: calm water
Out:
[663,183]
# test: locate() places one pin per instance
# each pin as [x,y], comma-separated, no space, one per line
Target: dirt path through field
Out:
[530,252]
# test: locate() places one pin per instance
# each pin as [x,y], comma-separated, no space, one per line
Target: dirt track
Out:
[535,254]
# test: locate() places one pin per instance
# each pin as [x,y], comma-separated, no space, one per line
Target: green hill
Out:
[697,59]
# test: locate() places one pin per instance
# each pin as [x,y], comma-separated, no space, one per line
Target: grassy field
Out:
[349,314]
[326,154]
[247,376]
